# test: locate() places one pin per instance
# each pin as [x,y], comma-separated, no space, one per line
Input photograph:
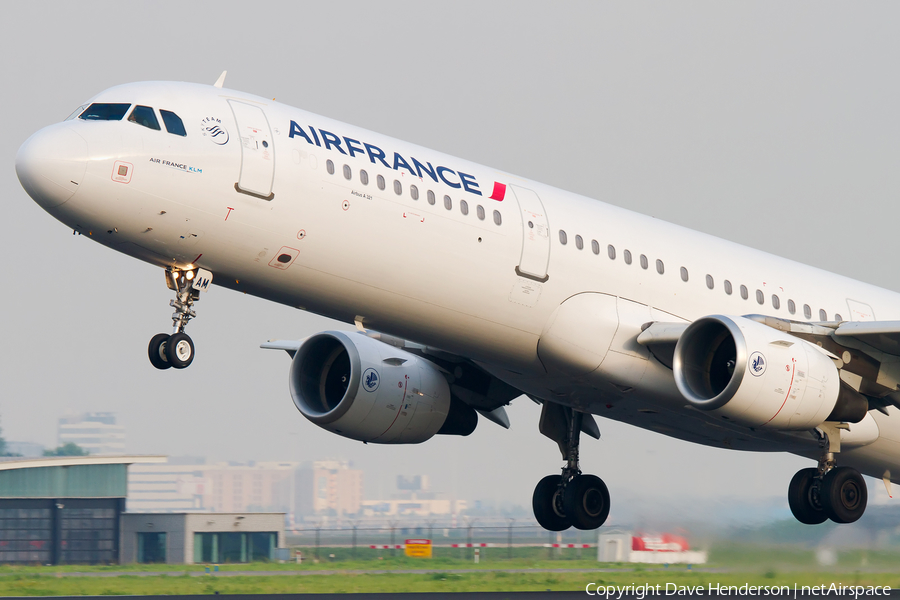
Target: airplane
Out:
[470,287]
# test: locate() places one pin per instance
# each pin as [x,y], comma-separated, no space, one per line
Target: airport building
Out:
[71,510]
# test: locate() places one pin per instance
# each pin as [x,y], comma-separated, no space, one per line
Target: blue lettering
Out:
[329,138]
[315,135]
[441,171]
[429,169]
[297,130]
[399,162]
[469,183]
[375,152]
[353,150]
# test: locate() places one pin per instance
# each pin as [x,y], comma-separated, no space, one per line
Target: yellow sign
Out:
[418,548]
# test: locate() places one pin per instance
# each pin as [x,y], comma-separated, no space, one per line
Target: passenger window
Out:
[498,220]
[174,125]
[710,282]
[379,180]
[579,243]
[644,263]
[329,166]
[792,308]
[480,212]
[684,274]
[823,316]
[430,197]
[448,203]
[347,172]
[464,207]
[838,317]
[595,247]
[776,302]
[105,112]
[627,256]
[611,252]
[807,311]
[363,177]
[144,115]
[727,285]
[744,293]
[760,297]
[563,238]
[398,188]
[414,192]
[660,267]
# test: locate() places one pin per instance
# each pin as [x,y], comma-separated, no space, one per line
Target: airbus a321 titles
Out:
[471,287]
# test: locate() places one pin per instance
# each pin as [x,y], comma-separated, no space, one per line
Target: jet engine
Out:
[752,374]
[366,390]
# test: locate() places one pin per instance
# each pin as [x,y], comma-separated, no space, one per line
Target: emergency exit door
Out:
[257,153]
[535,255]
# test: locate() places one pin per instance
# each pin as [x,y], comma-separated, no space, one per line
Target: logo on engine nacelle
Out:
[757,364]
[371,380]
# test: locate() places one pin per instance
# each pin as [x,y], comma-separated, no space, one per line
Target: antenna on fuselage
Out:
[220,80]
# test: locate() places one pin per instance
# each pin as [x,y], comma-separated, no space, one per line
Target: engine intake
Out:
[760,377]
[367,390]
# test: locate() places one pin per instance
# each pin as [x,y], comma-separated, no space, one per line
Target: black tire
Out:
[180,350]
[844,495]
[803,498]
[157,351]
[586,502]
[544,502]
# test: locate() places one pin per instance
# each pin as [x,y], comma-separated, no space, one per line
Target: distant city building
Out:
[413,498]
[25,449]
[328,488]
[249,486]
[95,432]
[413,506]
[179,485]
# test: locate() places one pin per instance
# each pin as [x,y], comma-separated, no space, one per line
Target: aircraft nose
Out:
[51,164]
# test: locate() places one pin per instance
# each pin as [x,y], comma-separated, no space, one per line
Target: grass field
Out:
[729,566]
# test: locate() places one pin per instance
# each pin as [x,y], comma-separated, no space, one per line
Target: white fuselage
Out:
[428,272]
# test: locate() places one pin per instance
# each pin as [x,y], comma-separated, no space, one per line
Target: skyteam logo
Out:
[371,380]
[213,128]
[757,364]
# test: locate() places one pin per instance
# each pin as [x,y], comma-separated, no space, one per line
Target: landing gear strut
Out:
[828,491]
[571,499]
[177,350]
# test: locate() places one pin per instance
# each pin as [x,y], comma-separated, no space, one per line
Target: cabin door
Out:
[535,235]
[257,152]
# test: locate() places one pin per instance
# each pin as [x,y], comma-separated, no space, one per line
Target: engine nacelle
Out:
[758,376]
[367,390]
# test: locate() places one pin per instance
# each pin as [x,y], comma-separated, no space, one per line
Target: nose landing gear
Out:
[571,499]
[828,491]
[177,350]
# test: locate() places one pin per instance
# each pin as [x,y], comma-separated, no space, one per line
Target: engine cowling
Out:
[366,390]
[757,376]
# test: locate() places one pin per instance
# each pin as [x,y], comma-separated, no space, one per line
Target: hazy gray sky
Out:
[772,124]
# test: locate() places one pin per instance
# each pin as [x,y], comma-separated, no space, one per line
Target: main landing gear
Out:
[177,350]
[571,499]
[828,491]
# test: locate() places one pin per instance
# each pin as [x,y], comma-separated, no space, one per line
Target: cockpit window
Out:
[77,112]
[105,112]
[144,115]
[173,122]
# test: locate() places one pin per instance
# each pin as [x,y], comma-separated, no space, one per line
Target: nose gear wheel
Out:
[177,350]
